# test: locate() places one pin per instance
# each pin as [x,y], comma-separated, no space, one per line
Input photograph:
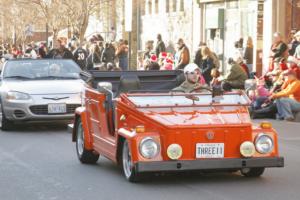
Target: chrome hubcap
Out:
[127,163]
[80,139]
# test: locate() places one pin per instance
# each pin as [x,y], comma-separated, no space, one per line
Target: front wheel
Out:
[127,164]
[252,172]
[6,125]
[84,155]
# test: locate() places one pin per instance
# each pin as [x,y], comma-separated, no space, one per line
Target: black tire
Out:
[128,170]
[252,172]
[84,155]
[6,125]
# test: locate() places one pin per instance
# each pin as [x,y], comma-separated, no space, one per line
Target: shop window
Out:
[174,2]
[167,6]
[150,7]
[181,6]
[156,7]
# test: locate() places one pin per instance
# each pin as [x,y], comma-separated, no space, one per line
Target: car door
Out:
[104,141]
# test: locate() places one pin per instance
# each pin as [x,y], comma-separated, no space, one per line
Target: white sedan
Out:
[39,90]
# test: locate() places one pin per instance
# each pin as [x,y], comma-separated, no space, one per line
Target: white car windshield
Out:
[189,99]
[41,69]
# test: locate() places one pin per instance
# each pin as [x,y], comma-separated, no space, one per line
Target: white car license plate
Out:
[210,150]
[57,108]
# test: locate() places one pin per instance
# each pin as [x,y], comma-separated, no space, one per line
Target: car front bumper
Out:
[36,109]
[209,164]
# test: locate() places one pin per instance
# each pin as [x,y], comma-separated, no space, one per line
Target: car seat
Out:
[128,82]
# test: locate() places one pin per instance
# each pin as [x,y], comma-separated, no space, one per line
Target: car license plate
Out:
[210,150]
[57,108]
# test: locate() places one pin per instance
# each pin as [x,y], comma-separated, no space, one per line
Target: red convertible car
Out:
[136,120]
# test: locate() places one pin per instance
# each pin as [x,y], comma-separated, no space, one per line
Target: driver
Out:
[192,80]
[54,69]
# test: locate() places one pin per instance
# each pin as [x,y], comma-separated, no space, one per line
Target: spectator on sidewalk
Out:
[153,63]
[183,54]
[288,99]
[122,54]
[160,45]
[297,50]
[61,51]
[198,55]
[108,54]
[278,50]
[207,64]
[235,77]
[148,50]
[80,55]
[248,55]
[94,57]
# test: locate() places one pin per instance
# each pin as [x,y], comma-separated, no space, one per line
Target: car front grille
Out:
[43,109]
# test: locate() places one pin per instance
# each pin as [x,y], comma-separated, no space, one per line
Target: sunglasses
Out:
[192,73]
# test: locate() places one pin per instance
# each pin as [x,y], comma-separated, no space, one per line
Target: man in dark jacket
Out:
[80,56]
[184,55]
[279,48]
[61,51]
[160,46]
[108,54]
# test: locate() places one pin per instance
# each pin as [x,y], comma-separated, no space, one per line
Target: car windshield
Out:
[41,69]
[187,99]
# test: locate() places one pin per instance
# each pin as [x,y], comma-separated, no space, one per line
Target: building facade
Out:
[219,23]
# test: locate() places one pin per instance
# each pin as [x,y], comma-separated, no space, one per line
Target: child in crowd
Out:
[215,74]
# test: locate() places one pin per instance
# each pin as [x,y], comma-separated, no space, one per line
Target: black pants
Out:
[228,87]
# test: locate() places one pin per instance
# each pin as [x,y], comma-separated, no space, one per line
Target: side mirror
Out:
[104,87]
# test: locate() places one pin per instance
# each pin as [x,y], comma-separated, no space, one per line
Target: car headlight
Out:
[174,151]
[247,149]
[149,148]
[264,143]
[13,95]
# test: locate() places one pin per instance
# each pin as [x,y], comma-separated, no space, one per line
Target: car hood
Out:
[195,117]
[37,87]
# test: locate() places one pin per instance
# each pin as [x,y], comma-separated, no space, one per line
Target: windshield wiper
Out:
[57,77]
[18,77]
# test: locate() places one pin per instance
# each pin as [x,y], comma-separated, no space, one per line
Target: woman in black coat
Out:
[207,64]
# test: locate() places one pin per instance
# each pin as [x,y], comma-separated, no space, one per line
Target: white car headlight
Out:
[149,148]
[247,149]
[264,143]
[13,95]
[174,151]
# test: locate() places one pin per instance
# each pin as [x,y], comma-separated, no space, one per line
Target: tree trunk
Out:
[54,38]
[83,27]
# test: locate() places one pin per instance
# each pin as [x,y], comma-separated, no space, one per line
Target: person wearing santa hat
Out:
[152,64]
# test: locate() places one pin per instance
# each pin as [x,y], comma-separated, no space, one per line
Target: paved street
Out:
[40,163]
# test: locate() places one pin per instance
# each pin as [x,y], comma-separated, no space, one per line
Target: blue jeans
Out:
[250,68]
[123,63]
[259,102]
[286,107]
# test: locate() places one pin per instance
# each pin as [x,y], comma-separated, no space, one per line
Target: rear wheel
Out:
[127,164]
[252,172]
[84,155]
